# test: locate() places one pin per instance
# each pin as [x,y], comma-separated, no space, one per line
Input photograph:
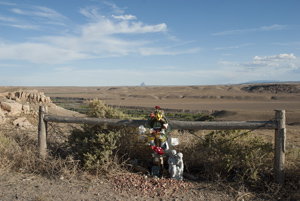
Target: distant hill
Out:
[274,88]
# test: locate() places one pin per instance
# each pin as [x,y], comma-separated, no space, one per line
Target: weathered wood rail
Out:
[278,124]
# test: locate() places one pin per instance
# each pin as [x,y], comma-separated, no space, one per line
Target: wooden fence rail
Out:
[278,125]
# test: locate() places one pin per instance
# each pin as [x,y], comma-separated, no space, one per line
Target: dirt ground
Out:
[18,186]
[237,103]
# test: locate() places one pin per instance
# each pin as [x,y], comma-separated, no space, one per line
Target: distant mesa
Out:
[273,88]
[143,84]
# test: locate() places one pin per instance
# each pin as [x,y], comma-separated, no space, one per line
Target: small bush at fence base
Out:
[233,154]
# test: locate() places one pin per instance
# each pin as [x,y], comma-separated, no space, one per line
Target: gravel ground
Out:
[20,186]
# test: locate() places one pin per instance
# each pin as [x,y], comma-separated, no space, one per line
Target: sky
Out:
[156,42]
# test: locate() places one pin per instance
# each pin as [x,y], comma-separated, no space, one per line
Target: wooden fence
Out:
[278,124]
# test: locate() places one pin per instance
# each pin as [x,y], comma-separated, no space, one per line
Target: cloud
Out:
[14,22]
[103,36]
[275,58]
[114,7]
[23,26]
[125,17]
[232,47]
[7,3]
[283,67]
[40,11]
[90,12]
[7,19]
[268,65]
[37,17]
[245,31]
[106,26]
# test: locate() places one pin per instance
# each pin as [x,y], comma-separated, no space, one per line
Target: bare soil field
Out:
[228,103]
[237,102]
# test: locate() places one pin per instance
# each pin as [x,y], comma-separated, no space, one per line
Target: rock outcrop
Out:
[31,96]
[22,122]
[23,102]
[12,107]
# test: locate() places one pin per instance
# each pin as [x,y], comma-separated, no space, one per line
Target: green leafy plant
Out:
[245,156]
[98,109]
[94,145]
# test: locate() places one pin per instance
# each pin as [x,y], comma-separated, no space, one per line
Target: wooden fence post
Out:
[42,131]
[280,136]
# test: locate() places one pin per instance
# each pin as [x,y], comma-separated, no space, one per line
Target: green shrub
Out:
[244,156]
[97,109]
[95,145]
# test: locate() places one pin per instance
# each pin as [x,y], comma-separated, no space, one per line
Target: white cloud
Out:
[114,7]
[90,12]
[24,26]
[36,18]
[283,67]
[275,66]
[245,31]
[106,26]
[275,58]
[232,47]
[40,11]
[125,17]
[14,22]
[7,3]
[8,19]
[112,36]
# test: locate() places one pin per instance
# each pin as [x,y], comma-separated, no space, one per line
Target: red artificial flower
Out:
[157,107]
[158,150]
[152,115]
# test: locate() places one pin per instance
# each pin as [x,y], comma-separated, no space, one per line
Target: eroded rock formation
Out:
[22,102]
[31,96]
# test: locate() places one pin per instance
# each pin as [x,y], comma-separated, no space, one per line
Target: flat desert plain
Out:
[244,102]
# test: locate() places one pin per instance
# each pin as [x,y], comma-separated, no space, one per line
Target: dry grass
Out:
[19,152]
[202,163]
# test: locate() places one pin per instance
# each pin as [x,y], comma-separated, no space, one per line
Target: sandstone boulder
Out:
[22,123]
[11,107]
[26,109]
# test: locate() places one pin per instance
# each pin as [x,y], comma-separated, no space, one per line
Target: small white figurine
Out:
[176,165]
[172,164]
[179,167]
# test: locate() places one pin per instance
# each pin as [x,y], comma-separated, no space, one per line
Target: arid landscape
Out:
[238,102]
[226,102]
